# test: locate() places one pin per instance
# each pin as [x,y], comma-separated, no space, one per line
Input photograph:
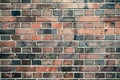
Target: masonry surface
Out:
[59,39]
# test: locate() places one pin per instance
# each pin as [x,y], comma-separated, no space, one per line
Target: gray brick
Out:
[68,56]
[47,31]
[57,12]
[99,62]
[67,19]
[89,62]
[78,12]
[67,44]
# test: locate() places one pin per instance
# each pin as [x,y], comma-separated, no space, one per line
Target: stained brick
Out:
[47,31]
[67,19]
[26,19]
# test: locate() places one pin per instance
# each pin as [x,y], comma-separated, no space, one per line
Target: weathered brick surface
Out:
[59,39]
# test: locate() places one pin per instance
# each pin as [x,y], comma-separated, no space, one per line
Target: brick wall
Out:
[60,39]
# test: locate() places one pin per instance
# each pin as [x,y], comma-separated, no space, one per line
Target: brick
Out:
[5,37]
[47,50]
[57,1]
[99,62]
[68,56]
[16,37]
[36,50]
[99,75]
[26,1]
[46,69]
[69,50]
[47,31]
[5,1]
[78,75]
[67,62]
[26,62]
[16,50]
[6,6]
[68,13]
[67,31]
[57,25]
[89,75]
[36,37]
[46,25]
[7,19]
[68,75]
[110,19]
[36,25]
[7,44]
[26,13]
[25,19]
[36,1]
[90,69]
[90,19]
[7,56]
[57,62]
[57,12]
[67,19]
[25,56]
[39,6]
[90,56]
[37,75]
[25,6]
[47,75]
[47,62]
[78,62]
[108,6]
[67,6]
[110,75]
[25,69]
[16,13]
[46,19]
[9,31]
[25,31]
[27,75]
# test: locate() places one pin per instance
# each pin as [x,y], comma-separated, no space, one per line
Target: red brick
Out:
[37,75]
[89,18]
[57,25]
[5,50]
[117,5]
[47,37]
[68,50]
[57,62]
[117,31]
[36,37]
[7,44]
[117,24]
[36,25]
[25,31]
[83,31]
[89,56]
[93,5]
[26,37]
[66,31]
[110,19]
[46,69]
[7,19]
[107,31]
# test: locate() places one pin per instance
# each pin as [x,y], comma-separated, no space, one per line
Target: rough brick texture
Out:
[59,39]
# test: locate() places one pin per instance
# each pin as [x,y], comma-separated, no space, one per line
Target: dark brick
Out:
[26,62]
[46,1]
[36,49]
[47,31]
[89,37]
[15,37]
[109,69]
[117,49]
[109,0]
[68,12]
[5,1]
[79,50]
[89,50]
[46,44]
[99,12]
[78,37]
[25,43]
[26,50]
[16,75]
[6,69]
[16,62]
[99,75]
[6,75]
[39,6]
[86,1]
[118,75]
[25,19]
[5,37]
[69,69]
[16,13]
[78,62]
[67,19]
[117,0]
[99,62]
[108,6]
[36,62]
[89,62]
[6,56]
[10,31]
[57,12]
[16,50]
[46,25]
[67,44]
[58,50]
[110,50]
[26,1]
[110,75]
[83,44]
[25,56]
[47,56]
[98,1]
[78,75]
[47,75]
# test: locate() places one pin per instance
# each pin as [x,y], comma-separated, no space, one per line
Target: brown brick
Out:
[37,75]
[57,25]
[25,31]
[26,19]
[16,37]
[89,18]
[69,50]
[7,44]
[46,19]
[67,62]
[110,19]
[39,6]
[46,69]
[47,50]
[25,69]
[36,1]
[89,75]
[47,37]
[89,56]
[36,25]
